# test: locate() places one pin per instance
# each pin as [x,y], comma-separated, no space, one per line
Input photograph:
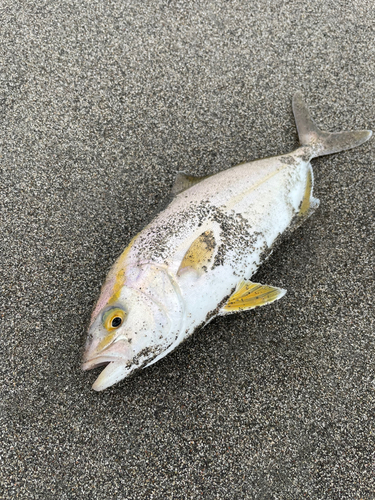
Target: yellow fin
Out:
[305,205]
[309,203]
[248,295]
[199,253]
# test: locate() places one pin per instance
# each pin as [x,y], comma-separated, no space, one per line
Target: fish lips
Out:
[97,362]
[115,359]
[115,370]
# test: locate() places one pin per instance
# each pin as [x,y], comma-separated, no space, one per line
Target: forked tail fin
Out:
[323,143]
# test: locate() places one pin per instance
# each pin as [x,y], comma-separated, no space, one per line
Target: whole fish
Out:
[194,260]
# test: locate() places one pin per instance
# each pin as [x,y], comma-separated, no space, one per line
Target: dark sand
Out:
[101,104]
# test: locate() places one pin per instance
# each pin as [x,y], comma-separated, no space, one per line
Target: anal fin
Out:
[249,295]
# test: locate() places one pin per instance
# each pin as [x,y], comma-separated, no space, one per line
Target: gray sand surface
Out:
[102,102]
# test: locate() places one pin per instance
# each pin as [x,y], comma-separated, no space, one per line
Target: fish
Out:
[195,260]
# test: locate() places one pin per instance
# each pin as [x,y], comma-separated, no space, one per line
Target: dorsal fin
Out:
[184,181]
[199,254]
[248,295]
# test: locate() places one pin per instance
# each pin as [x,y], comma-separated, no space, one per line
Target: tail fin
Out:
[323,143]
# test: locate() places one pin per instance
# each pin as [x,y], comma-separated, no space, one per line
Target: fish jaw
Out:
[112,373]
[116,360]
[115,353]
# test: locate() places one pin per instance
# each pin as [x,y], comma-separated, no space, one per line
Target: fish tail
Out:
[323,143]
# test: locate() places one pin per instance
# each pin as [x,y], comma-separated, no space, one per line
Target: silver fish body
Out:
[194,260]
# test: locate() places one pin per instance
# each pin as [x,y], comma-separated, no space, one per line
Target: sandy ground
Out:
[102,102]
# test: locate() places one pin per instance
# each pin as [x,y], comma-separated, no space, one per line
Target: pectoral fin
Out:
[199,254]
[248,295]
[184,181]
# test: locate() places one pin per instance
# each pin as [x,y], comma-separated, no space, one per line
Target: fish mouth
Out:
[96,362]
[115,370]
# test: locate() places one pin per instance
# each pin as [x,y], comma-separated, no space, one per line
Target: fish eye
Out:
[113,318]
[116,322]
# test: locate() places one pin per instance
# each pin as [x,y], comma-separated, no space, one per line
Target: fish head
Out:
[129,330]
